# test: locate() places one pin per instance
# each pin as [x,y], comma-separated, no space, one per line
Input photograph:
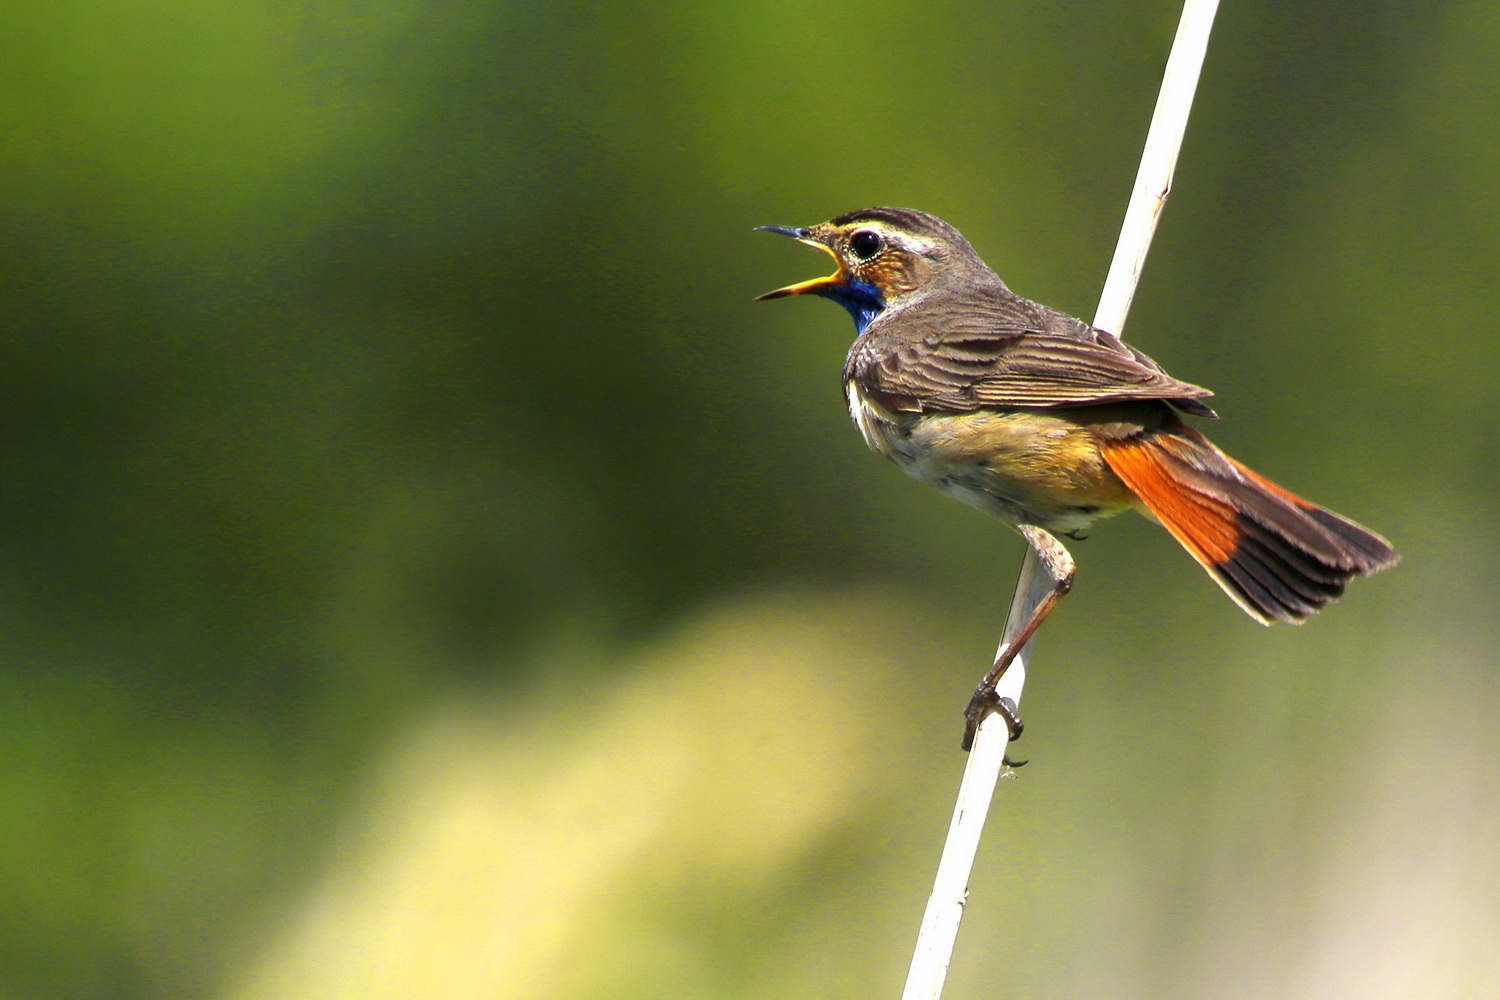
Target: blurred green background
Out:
[424,572]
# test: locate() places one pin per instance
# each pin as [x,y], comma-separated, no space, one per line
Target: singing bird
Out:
[1048,424]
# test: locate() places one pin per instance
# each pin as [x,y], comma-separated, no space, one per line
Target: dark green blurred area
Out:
[356,354]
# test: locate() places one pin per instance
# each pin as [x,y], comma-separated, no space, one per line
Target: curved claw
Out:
[985,701]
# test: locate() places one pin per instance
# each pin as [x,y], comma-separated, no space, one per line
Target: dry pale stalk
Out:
[986,761]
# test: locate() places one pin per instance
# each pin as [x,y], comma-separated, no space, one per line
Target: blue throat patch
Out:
[862,299]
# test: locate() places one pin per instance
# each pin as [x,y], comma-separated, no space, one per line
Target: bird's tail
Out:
[1279,556]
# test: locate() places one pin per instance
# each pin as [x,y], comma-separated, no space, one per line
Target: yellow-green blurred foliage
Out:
[423,571]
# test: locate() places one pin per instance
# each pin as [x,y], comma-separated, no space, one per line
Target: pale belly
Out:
[1040,467]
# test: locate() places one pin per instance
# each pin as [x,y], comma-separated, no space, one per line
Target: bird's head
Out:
[884,256]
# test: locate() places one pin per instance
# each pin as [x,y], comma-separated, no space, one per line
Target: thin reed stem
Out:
[1153,183]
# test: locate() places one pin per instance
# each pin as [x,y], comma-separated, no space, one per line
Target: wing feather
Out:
[962,370]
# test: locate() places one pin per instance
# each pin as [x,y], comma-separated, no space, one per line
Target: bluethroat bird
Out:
[1047,423]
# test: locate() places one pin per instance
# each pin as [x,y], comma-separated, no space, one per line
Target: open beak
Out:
[803,287]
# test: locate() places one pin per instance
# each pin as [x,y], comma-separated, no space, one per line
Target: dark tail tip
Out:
[1367,552]
[1282,575]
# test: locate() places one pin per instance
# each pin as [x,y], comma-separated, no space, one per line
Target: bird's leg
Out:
[1060,565]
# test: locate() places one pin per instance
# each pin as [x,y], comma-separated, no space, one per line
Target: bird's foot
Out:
[985,701]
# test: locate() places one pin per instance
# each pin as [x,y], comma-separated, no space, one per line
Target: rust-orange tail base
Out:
[1279,556]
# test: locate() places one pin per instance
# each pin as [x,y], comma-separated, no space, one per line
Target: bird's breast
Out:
[1040,467]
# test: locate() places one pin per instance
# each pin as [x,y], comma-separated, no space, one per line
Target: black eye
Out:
[865,244]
